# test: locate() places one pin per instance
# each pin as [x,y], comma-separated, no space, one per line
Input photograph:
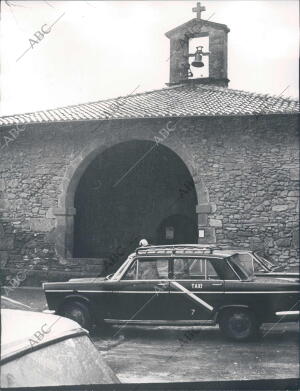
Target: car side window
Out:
[153,269]
[182,268]
[194,269]
[211,273]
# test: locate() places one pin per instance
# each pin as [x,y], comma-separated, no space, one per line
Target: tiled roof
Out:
[177,101]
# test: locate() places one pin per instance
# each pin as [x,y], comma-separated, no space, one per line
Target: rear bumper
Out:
[288,315]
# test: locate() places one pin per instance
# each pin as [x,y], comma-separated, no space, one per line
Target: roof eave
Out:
[149,117]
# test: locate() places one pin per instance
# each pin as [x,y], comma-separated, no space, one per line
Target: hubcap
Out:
[240,324]
[76,314]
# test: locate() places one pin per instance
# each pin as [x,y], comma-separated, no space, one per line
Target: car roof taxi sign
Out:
[143,243]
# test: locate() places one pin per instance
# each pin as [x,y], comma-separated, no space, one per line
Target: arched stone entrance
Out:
[114,195]
[122,197]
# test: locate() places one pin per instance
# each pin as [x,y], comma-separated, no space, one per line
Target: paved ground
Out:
[147,355]
[140,354]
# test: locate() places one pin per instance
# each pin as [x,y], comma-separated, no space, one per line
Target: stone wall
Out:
[248,167]
[253,178]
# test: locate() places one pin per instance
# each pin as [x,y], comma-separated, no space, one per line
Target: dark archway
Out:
[125,193]
[177,229]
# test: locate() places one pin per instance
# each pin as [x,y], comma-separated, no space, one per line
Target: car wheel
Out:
[239,324]
[78,312]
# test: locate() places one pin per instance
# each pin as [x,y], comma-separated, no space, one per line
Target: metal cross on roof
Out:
[198,9]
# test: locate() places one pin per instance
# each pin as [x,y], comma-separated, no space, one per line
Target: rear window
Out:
[238,267]
[246,261]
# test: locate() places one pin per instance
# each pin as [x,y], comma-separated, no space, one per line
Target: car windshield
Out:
[67,362]
[121,269]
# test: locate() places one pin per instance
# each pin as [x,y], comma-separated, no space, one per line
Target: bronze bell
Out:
[198,63]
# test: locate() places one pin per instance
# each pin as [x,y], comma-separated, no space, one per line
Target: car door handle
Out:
[217,284]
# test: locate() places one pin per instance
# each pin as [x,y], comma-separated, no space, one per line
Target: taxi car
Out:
[40,349]
[178,285]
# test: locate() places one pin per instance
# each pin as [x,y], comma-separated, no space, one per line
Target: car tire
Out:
[239,324]
[78,312]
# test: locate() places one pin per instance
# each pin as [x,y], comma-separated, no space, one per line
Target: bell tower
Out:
[198,52]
